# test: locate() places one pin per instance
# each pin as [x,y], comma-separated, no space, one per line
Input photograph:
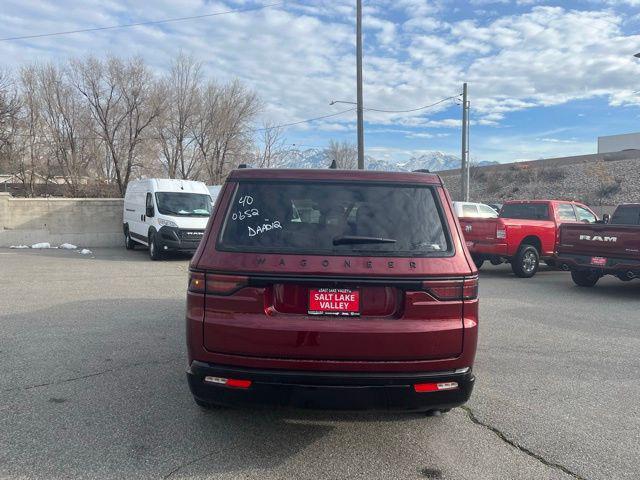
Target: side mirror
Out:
[606,218]
[149,211]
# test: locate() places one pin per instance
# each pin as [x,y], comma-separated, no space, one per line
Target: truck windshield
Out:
[335,218]
[525,211]
[626,215]
[183,204]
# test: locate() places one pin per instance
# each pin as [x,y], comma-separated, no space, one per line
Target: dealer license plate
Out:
[599,261]
[334,301]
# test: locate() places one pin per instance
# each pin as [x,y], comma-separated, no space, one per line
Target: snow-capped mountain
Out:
[432,161]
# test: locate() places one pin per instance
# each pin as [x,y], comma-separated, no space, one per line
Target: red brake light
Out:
[225,284]
[235,383]
[196,282]
[449,290]
[435,387]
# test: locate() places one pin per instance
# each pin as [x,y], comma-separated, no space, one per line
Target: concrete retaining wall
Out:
[85,222]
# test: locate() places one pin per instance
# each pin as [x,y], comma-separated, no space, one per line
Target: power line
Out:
[300,122]
[138,24]
[413,109]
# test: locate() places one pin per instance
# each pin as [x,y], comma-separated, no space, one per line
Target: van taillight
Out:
[225,284]
[448,290]
[196,282]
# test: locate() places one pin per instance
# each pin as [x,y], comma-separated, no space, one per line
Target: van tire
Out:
[584,278]
[154,250]
[129,243]
[526,262]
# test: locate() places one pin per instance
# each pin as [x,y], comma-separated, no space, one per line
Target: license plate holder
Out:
[599,261]
[342,302]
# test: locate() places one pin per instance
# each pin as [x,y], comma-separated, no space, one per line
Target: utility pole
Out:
[464,165]
[360,107]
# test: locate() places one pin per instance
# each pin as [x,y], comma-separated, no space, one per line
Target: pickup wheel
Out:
[479,262]
[526,262]
[584,278]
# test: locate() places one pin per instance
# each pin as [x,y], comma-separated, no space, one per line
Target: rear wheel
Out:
[129,244]
[154,249]
[205,405]
[584,278]
[479,262]
[526,262]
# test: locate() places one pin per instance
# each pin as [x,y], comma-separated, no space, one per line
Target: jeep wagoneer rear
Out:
[332,289]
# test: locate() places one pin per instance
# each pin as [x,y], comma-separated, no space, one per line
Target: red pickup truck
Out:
[613,248]
[524,232]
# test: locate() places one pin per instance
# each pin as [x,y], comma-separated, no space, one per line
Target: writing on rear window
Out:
[334,218]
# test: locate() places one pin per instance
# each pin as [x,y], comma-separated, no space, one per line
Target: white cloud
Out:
[300,57]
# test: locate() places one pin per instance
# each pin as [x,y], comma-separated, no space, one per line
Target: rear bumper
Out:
[329,390]
[486,249]
[614,266]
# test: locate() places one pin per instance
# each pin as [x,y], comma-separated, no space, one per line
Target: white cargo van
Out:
[166,215]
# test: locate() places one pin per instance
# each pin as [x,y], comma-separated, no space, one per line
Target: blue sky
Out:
[545,78]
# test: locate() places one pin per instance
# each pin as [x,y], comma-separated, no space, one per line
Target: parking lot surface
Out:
[92,385]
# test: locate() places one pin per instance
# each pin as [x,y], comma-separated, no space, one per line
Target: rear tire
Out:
[129,244]
[479,262]
[526,262]
[584,278]
[154,249]
[204,405]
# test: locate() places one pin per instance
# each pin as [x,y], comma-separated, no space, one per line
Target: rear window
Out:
[626,215]
[525,211]
[335,219]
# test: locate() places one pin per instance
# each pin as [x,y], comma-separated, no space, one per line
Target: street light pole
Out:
[464,164]
[360,106]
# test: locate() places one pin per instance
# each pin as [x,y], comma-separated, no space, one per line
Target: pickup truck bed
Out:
[591,251]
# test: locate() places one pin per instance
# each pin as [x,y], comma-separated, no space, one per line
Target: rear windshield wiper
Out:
[353,239]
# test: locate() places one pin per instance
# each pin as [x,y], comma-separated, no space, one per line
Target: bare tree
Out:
[344,154]
[9,111]
[123,103]
[66,119]
[31,150]
[222,132]
[181,88]
[271,149]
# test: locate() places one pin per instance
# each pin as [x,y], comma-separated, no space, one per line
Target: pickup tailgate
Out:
[605,240]
[479,230]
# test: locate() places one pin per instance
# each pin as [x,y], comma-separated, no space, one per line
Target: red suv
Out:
[332,289]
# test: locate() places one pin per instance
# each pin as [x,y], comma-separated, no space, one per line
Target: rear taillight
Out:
[199,282]
[196,282]
[501,233]
[470,288]
[449,290]
[225,284]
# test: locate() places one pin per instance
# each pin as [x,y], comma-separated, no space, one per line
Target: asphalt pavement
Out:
[92,385]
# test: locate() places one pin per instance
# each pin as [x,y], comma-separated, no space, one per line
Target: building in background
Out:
[617,143]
